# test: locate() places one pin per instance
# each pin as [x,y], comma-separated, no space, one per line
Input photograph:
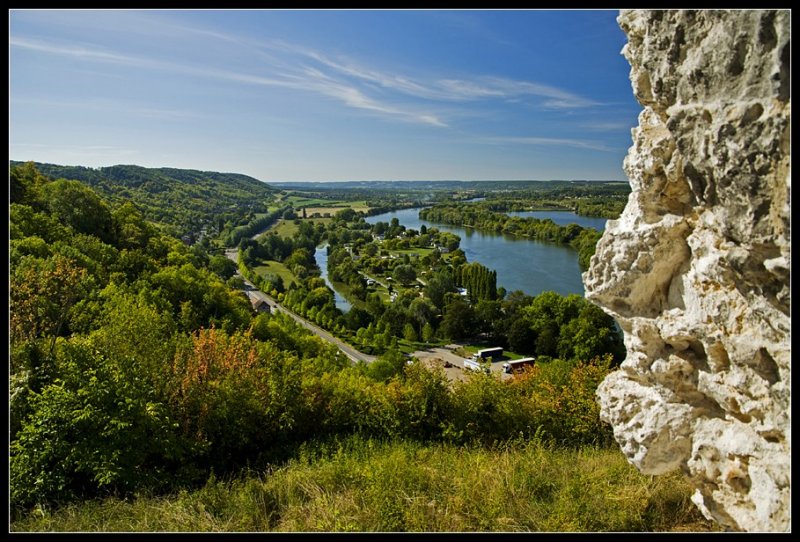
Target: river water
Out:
[521,264]
[321,257]
[562,218]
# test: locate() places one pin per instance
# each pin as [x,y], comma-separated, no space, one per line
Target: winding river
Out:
[521,264]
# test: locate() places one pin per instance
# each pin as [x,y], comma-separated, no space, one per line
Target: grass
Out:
[285,228]
[361,485]
[276,268]
[301,201]
[335,208]
[322,206]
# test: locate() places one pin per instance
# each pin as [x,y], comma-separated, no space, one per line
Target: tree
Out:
[438,285]
[25,184]
[409,333]
[489,316]
[547,342]
[79,206]
[427,332]
[301,257]
[345,215]
[521,337]
[459,321]
[222,266]
[131,230]
[421,311]
[404,274]
[41,293]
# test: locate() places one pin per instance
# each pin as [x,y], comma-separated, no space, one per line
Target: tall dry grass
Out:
[363,485]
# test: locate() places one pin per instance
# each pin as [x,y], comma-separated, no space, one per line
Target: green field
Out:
[287,228]
[276,268]
[323,206]
[284,228]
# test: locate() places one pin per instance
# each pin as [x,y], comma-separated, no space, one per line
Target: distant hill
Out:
[482,185]
[184,198]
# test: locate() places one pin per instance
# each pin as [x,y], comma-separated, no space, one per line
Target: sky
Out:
[324,95]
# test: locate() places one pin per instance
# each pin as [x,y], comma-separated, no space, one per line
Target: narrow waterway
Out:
[321,257]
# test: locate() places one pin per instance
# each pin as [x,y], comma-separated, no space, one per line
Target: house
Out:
[258,304]
[440,248]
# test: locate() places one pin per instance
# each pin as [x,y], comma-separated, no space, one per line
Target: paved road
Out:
[274,306]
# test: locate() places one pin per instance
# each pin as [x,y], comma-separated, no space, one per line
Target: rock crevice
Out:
[696,270]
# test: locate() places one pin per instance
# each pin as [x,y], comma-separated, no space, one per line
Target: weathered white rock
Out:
[696,270]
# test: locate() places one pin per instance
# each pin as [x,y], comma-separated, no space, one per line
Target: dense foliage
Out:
[135,366]
[184,199]
[433,293]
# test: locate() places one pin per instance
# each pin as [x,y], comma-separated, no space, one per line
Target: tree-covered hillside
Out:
[185,199]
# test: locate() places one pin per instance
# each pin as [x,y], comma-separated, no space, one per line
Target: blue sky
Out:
[327,95]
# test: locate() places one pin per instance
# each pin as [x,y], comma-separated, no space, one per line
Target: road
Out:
[274,306]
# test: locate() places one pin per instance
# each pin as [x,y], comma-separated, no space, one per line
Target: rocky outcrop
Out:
[696,270]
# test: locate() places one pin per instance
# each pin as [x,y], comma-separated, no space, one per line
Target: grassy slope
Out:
[370,486]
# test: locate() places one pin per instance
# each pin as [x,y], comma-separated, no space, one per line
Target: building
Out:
[258,304]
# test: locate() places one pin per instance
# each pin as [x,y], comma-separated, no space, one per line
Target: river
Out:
[321,257]
[562,218]
[521,264]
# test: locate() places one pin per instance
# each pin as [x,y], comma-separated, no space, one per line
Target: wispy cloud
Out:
[110,105]
[460,90]
[280,64]
[305,79]
[607,126]
[567,142]
[78,151]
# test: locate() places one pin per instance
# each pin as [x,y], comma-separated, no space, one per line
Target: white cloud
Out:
[284,65]
[110,105]
[607,126]
[307,79]
[567,142]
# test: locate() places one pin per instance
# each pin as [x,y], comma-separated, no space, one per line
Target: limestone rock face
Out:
[696,270]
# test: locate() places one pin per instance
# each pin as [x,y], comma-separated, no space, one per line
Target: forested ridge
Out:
[184,199]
